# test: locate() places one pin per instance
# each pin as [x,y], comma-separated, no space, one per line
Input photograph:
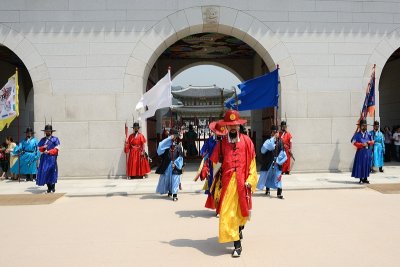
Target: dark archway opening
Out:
[389,98]
[216,49]
[9,61]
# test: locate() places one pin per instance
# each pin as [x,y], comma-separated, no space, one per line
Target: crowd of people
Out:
[392,143]
[373,149]
[228,169]
[30,159]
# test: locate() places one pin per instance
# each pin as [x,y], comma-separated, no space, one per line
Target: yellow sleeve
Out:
[252,179]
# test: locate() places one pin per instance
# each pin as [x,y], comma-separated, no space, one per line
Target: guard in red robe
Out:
[138,164]
[239,180]
[286,138]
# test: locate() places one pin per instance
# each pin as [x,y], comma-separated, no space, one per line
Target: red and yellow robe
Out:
[238,167]
[137,164]
[287,143]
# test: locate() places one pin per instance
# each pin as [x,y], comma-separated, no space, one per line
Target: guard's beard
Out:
[136,131]
[233,135]
[48,134]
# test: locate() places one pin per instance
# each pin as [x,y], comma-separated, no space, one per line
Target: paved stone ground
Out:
[110,187]
[126,224]
[346,227]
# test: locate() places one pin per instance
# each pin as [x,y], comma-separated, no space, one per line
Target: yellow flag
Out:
[9,103]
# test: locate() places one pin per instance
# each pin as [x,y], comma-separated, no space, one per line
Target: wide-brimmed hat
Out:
[49,128]
[217,128]
[135,124]
[29,130]
[362,122]
[232,117]
[376,123]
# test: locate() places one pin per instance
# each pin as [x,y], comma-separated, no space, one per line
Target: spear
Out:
[126,154]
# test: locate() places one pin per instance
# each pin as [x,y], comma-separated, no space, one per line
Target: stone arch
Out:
[383,50]
[234,72]
[31,58]
[219,19]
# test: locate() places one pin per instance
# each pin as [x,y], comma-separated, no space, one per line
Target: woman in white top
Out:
[10,147]
[396,139]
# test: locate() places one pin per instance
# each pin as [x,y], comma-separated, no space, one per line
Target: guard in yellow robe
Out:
[239,179]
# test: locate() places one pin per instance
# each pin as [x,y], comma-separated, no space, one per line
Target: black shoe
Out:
[169,195]
[366,181]
[236,252]
[267,192]
[280,196]
[174,199]
[380,169]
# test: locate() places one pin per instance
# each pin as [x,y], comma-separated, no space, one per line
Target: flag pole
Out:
[236,100]
[275,107]
[126,154]
[170,108]
[19,129]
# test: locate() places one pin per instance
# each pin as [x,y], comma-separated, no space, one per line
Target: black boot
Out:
[279,194]
[237,250]
[48,188]
[175,197]
[381,169]
[240,232]
[267,192]
[53,188]
[169,194]
[365,181]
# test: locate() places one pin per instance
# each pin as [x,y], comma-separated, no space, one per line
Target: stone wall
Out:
[89,62]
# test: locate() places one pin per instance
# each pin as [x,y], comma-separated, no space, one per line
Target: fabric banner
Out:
[369,102]
[159,96]
[9,106]
[257,93]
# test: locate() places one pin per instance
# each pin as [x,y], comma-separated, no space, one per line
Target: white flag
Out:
[159,96]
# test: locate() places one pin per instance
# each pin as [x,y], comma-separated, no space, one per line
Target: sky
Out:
[206,75]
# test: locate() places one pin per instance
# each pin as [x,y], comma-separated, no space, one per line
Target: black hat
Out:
[362,122]
[283,123]
[173,131]
[29,130]
[376,123]
[48,127]
[136,124]
[274,128]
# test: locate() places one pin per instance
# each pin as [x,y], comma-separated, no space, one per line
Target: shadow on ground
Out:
[155,196]
[35,190]
[209,246]
[344,182]
[196,214]
[114,194]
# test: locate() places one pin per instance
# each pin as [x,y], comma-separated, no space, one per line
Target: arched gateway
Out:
[218,20]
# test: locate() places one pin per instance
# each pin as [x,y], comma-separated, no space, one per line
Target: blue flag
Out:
[369,102]
[257,93]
